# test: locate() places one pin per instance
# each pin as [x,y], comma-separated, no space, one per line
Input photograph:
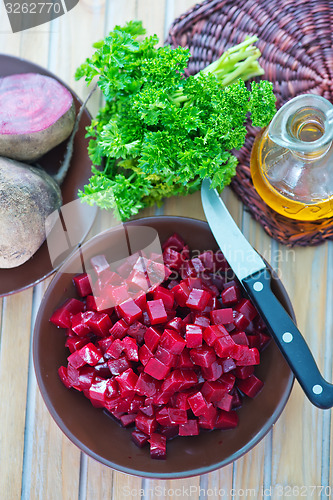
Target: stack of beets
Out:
[167,344]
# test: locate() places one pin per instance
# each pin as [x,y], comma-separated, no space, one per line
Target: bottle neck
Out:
[308,126]
[304,126]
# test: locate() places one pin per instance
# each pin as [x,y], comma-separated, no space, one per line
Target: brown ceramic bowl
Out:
[98,435]
[39,266]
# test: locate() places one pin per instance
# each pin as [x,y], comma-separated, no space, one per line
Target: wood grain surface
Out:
[36,460]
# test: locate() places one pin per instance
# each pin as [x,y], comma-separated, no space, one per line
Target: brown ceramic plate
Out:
[98,435]
[40,266]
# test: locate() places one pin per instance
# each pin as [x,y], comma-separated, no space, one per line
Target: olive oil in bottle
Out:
[292,160]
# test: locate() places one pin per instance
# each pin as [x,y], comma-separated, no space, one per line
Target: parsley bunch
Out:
[160,133]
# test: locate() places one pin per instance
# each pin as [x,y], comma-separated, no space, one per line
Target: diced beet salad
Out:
[169,358]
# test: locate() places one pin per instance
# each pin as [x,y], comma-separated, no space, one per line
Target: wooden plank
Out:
[298,434]
[14,360]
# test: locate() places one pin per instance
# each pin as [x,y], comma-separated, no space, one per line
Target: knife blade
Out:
[255,277]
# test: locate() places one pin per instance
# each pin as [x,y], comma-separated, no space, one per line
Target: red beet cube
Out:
[228,380]
[179,400]
[225,403]
[226,420]
[140,438]
[240,338]
[97,393]
[203,356]
[198,265]
[156,311]
[240,321]
[157,446]
[208,418]
[231,295]
[197,403]
[145,354]
[227,364]
[162,417]
[127,381]
[91,303]
[176,324]
[130,311]
[117,366]
[173,382]
[131,348]
[225,347]
[151,338]
[172,258]
[198,299]
[99,264]
[62,371]
[119,329]
[137,330]
[187,269]
[254,340]
[245,356]
[246,307]
[73,375]
[250,386]
[73,306]
[89,354]
[138,281]
[146,424]
[212,333]
[177,416]
[119,294]
[61,318]
[208,261]
[100,324]
[128,419]
[181,293]
[165,295]
[141,300]
[111,389]
[172,341]
[264,340]
[156,369]
[189,428]
[184,359]
[75,343]
[213,391]
[193,336]
[165,356]
[222,316]
[212,372]
[114,350]
[146,385]
[82,283]
[202,321]
[174,241]
[80,323]
[190,379]
[244,372]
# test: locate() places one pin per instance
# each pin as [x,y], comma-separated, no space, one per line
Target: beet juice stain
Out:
[29,14]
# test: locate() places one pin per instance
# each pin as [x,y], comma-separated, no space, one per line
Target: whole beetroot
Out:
[36,114]
[28,195]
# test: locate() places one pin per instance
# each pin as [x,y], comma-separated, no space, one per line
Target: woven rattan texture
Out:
[296,43]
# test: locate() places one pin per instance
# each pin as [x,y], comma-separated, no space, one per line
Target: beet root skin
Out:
[36,114]
[28,195]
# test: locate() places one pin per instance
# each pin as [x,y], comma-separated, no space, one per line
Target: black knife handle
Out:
[289,339]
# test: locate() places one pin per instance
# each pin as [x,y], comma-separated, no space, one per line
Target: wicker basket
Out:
[296,42]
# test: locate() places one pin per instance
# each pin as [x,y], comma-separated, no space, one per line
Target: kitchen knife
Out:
[255,277]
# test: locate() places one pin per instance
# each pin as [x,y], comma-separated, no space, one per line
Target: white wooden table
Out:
[36,460]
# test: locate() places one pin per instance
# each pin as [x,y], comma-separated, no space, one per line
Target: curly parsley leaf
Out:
[159,133]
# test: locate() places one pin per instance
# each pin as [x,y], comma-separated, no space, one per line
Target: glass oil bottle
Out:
[292,159]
